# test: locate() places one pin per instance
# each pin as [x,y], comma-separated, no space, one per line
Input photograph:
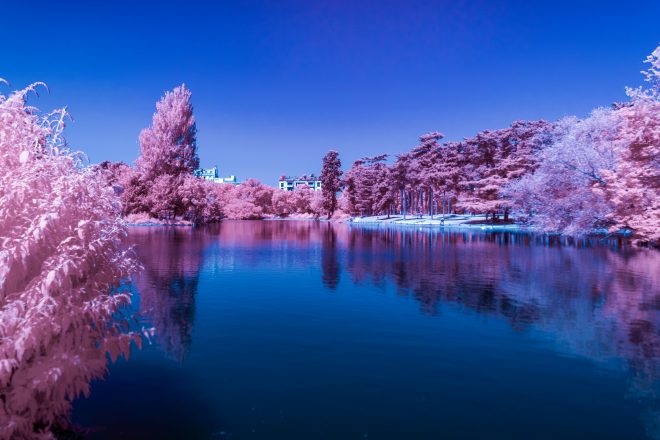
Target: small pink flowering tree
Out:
[283,205]
[250,200]
[61,262]
[302,199]
[316,204]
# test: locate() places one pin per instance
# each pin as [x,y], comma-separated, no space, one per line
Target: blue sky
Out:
[277,84]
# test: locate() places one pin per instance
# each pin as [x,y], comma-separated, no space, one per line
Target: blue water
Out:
[305,330]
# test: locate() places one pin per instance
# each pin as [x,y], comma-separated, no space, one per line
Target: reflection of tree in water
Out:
[168,284]
[277,245]
[329,263]
[598,303]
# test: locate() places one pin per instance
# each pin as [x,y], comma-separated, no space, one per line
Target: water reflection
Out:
[171,260]
[594,301]
[329,257]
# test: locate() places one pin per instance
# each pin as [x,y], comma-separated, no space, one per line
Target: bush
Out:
[61,265]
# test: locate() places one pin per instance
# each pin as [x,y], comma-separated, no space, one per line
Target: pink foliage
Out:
[633,187]
[331,182]
[162,185]
[116,174]
[249,200]
[362,182]
[494,160]
[318,204]
[302,199]
[344,203]
[469,175]
[61,261]
[559,196]
[574,176]
[283,204]
[603,171]
[169,145]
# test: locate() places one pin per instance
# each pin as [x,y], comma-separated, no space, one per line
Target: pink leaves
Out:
[55,294]
[50,278]
[331,182]
[601,171]
[574,176]
[169,145]
[24,156]
[632,188]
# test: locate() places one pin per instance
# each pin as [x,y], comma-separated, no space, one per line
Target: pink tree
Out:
[344,204]
[361,184]
[169,146]
[61,264]
[283,204]
[497,158]
[115,174]
[559,196]
[384,192]
[446,174]
[316,205]
[424,156]
[198,200]
[168,153]
[633,188]
[163,200]
[331,182]
[251,200]
[399,176]
[302,199]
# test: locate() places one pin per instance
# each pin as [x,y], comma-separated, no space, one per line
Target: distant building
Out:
[288,183]
[206,173]
[213,175]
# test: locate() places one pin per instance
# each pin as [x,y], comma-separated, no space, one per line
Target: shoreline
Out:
[454,221]
[451,221]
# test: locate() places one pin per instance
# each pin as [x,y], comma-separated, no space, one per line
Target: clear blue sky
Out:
[276,84]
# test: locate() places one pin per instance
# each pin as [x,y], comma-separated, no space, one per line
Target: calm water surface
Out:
[303,330]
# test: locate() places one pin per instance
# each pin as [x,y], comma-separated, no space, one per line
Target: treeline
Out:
[571,176]
[162,186]
[434,178]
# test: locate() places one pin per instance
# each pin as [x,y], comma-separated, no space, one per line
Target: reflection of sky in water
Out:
[309,330]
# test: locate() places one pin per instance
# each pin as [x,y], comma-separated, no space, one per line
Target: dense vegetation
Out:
[572,176]
[61,265]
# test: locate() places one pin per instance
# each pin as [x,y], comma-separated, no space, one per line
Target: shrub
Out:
[61,265]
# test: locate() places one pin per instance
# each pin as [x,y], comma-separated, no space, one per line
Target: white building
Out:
[288,183]
[213,175]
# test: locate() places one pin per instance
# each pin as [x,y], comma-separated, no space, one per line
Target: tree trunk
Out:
[403,204]
[431,203]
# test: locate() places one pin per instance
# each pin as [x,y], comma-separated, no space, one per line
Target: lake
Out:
[309,330]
